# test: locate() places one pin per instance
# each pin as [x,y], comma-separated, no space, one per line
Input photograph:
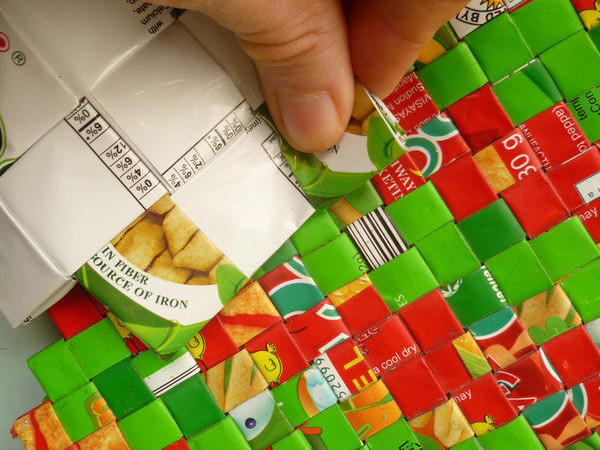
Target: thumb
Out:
[300,50]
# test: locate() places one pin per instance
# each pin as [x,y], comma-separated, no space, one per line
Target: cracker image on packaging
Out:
[162,277]
[166,244]
[442,427]
[235,380]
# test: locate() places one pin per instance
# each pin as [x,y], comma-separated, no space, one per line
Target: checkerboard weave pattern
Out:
[452,302]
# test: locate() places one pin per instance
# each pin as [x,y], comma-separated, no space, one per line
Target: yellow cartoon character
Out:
[268,363]
[481,428]
[196,346]
[591,17]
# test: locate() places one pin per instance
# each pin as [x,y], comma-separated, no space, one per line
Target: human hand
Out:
[307,53]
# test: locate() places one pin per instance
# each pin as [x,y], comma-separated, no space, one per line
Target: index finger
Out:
[386,36]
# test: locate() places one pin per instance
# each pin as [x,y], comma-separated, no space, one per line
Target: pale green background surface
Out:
[19,390]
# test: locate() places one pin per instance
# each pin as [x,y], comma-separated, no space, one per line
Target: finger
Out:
[300,49]
[386,36]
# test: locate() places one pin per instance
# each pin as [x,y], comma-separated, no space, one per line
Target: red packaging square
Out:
[74,312]
[398,179]
[577,181]
[574,355]
[586,398]
[463,187]
[359,304]
[181,444]
[345,369]
[211,345]
[411,104]
[483,404]
[447,367]
[556,422]
[480,118]
[436,144]
[387,344]
[528,380]
[318,329]
[276,354]
[555,135]
[584,5]
[590,217]
[502,338]
[431,321]
[414,387]
[517,155]
[535,204]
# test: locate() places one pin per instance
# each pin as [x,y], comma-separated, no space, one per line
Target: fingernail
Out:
[312,121]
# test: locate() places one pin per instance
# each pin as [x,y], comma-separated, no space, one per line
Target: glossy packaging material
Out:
[138,155]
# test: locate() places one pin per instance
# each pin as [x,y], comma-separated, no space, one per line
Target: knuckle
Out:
[287,43]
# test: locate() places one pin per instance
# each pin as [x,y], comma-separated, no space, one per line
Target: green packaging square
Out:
[443,40]
[394,437]
[499,47]
[544,23]
[150,428]
[192,406]
[419,213]
[585,108]
[565,248]
[574,64]
[316,231]
[295,441]
[283,254]
[447,254]
[223,435]
[403,279]
[517,432]
[123,388]
[594,35]
[519,273]
[335,264]
[452,76]
[304,395]
[261,421]
[98,347]
[83,412]
[474,297]
[469,444]
[491,230]
[355,205]
[57,371]
[330,429]
[583,288]
[527,92]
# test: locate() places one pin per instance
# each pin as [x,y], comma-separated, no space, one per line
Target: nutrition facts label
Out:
[115,154]
[271,146]
[213,142]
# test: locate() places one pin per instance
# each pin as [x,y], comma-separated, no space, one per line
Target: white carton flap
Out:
[242,201]
[167,96]
[27,277]
[84,39]
[226,51]
[66,198]
[32,98]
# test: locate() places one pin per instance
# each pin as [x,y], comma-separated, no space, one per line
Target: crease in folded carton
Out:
[30,264]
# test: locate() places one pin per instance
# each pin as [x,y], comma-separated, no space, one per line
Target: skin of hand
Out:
[307,53]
